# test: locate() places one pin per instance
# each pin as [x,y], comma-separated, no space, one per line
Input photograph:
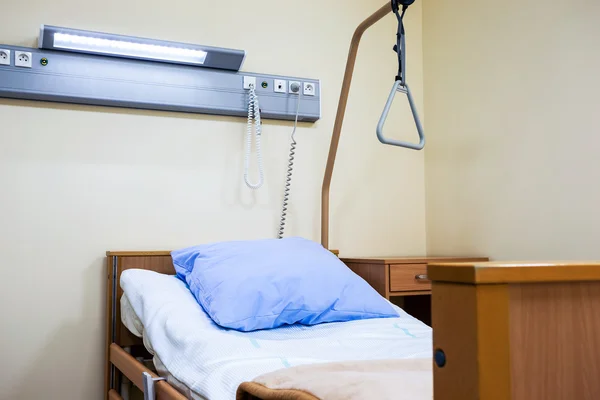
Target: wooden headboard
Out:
[116,263]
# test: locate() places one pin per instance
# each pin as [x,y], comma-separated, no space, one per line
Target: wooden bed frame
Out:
[118,337]
[490,320]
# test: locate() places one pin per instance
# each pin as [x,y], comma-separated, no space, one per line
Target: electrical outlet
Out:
[295,87]
[23,59]
[280,86]
[309,89]
[4,57]
[249,80]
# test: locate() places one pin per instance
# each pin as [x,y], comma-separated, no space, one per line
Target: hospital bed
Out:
[500,331]
[152,314]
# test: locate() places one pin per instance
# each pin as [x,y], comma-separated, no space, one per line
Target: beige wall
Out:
[512,100]
[77,181]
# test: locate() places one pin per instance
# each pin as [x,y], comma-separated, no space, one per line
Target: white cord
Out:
[253,114]
[288,177]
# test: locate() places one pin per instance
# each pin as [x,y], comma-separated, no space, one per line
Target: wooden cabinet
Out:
[403,280]
[516,331]
[399,276]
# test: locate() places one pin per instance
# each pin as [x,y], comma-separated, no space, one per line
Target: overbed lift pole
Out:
[399,86]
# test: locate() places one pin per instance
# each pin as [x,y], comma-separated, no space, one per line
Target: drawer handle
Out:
[421,277]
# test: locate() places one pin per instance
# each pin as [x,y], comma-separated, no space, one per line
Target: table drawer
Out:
[403,277]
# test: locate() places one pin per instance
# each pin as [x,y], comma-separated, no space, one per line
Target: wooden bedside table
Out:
[403,280]
[511,330]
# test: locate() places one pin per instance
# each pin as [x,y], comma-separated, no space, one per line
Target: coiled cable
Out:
[253,115]
[288,176]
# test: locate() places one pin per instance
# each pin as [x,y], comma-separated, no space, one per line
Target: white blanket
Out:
[212,361]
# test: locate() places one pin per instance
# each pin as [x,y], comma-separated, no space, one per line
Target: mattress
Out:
[206,361]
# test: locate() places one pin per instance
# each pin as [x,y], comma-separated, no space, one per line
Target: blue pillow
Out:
[263,284]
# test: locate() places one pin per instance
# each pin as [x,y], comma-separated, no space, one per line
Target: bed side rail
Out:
[134,370]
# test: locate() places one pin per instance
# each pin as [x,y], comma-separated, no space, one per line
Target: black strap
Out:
[397,3]
[400,33]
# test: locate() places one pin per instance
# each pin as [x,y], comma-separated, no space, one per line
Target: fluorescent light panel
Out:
[129,49]
[66,39]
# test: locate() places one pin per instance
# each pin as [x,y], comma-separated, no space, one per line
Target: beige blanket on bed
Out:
[408,379]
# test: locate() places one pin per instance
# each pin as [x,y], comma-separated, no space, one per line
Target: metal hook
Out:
[403,88]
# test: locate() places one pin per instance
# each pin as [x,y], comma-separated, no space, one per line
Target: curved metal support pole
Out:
[339,118]
[406,90]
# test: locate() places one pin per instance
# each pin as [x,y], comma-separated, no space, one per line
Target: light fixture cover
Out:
[106,44]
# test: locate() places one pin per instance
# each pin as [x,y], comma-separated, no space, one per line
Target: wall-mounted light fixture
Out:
[106,44]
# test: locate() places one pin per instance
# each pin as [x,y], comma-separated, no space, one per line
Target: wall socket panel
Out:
[117,82]
[308,89]
[279,86]
[4,57]
[23,59]
[295,84]
[249,80]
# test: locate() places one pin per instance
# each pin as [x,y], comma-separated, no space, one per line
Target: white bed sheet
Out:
[211,361]
[130,318]
[135,326]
